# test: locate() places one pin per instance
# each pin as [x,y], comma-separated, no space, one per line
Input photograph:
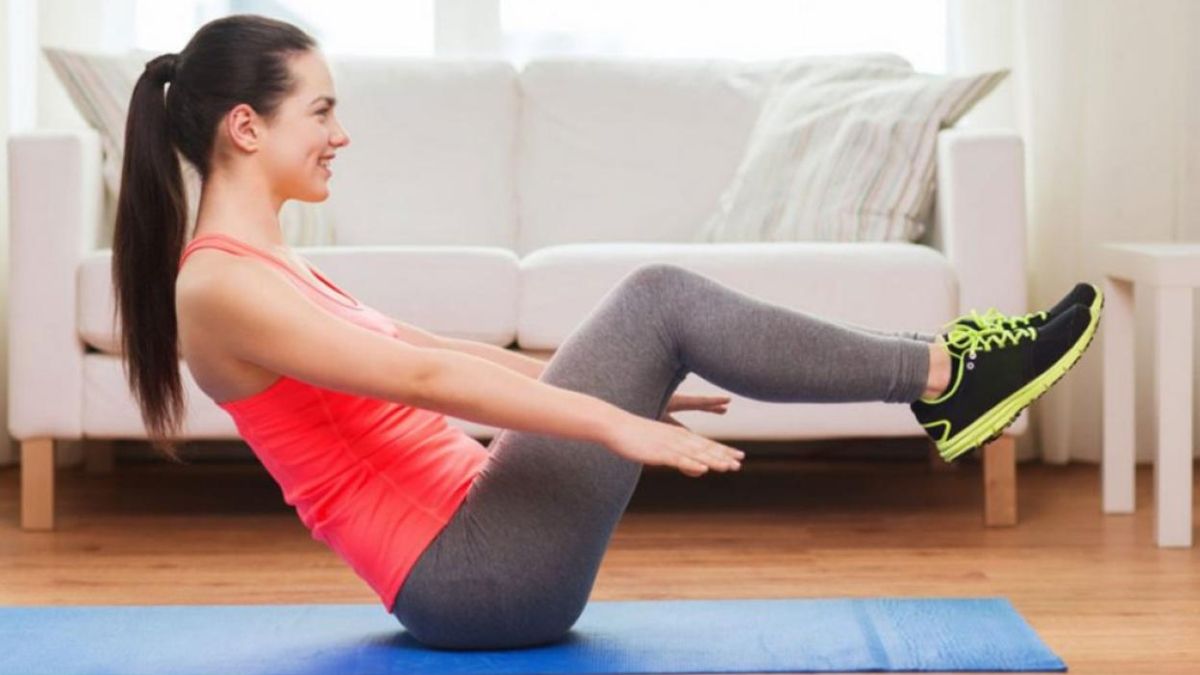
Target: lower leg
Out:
[768,352]
[909,334]
[939,369]
[939,358]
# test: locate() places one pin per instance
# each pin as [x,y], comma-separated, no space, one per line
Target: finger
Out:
[720,450]
[691,467]
[734,452]
[708,454]
[731,461]
[719,459]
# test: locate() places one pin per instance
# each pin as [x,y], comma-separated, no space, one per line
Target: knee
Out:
[656,274]
[655,281]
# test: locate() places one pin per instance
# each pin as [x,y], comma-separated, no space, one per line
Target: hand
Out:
[653,442]
[713,404]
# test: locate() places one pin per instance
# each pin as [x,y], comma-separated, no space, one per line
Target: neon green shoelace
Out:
[994,317]
[971,340]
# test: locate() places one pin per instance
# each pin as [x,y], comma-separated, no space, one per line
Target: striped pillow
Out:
[845,152]
[100,85]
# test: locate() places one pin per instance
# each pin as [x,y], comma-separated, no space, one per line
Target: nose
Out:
[341,138]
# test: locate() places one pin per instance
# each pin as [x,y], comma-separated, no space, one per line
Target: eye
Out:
[323,112]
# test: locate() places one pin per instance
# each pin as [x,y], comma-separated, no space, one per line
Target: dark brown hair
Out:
[236,59]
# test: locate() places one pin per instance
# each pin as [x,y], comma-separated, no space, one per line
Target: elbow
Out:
[425,384]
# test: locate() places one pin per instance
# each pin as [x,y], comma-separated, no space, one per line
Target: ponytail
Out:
[147,242]
[241,58]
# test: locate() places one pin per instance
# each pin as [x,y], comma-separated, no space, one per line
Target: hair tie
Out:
[163,67]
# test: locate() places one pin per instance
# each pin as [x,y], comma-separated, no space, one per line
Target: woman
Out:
[469,547]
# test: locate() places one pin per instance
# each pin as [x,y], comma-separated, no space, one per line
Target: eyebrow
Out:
[328,99]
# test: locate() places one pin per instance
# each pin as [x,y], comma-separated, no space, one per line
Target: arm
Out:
[526,365]
[420,337]
[256,316]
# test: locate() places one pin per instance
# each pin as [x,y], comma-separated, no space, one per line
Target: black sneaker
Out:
[998,371]
[1084,293]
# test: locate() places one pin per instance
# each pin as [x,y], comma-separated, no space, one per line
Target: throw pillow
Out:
[844,152]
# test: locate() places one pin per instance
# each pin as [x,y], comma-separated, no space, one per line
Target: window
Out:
[365,27]
[741,29]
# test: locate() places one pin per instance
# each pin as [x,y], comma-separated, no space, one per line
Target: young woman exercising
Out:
[470,547]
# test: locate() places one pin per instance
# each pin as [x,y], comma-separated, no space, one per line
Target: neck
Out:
[241,206]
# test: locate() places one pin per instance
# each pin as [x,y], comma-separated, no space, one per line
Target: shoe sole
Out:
[991,424]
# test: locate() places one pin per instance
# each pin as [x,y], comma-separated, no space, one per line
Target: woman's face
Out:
[300,142]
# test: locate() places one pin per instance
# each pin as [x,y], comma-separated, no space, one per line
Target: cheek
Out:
[295,161]
[299,147]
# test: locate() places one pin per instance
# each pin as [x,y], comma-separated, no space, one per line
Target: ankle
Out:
[939,369]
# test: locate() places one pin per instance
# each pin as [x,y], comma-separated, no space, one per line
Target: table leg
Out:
[1173,402]
[1117,463]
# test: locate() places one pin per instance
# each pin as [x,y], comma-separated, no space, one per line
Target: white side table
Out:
[1172,270]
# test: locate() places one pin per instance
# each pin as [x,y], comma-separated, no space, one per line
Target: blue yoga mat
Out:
[661,636]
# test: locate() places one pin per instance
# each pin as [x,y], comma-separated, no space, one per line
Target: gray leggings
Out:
[516,563]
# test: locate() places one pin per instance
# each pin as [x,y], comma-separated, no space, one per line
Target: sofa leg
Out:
[37,484]
[1000,482]
[98,455]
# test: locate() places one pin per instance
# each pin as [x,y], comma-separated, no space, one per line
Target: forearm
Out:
[521,363]
[474,388]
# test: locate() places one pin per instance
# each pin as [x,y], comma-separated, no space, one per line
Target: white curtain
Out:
[1106,94]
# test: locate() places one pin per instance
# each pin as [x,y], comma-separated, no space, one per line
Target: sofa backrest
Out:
[566,150]
[431,152]
[630,149]
[471,151]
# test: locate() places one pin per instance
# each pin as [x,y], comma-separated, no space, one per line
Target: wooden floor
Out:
[1095,587]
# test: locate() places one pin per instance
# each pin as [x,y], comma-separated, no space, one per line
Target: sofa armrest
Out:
[980,217]
[56,198]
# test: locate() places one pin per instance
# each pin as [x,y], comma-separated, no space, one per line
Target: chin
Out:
[318,195]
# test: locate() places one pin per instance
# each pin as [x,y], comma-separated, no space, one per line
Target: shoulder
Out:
[213,280]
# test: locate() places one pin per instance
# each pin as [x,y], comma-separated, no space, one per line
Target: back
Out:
[241,318]
[374,479]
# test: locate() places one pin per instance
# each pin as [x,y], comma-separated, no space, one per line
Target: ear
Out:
[243,126]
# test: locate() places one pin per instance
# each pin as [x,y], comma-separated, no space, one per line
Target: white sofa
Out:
[481,201]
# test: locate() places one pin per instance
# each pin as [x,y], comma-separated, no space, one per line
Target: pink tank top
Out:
[374,480]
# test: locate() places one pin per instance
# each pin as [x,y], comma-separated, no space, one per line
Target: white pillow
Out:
[844,152]
[101,85]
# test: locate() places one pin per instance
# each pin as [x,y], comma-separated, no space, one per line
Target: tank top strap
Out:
[238,247]
[210,241]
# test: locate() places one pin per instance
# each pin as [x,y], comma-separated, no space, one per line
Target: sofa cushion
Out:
[455,291]
[431,153]
[634,149]
[881,285]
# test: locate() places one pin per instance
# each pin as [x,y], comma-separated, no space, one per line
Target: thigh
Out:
[523,550]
